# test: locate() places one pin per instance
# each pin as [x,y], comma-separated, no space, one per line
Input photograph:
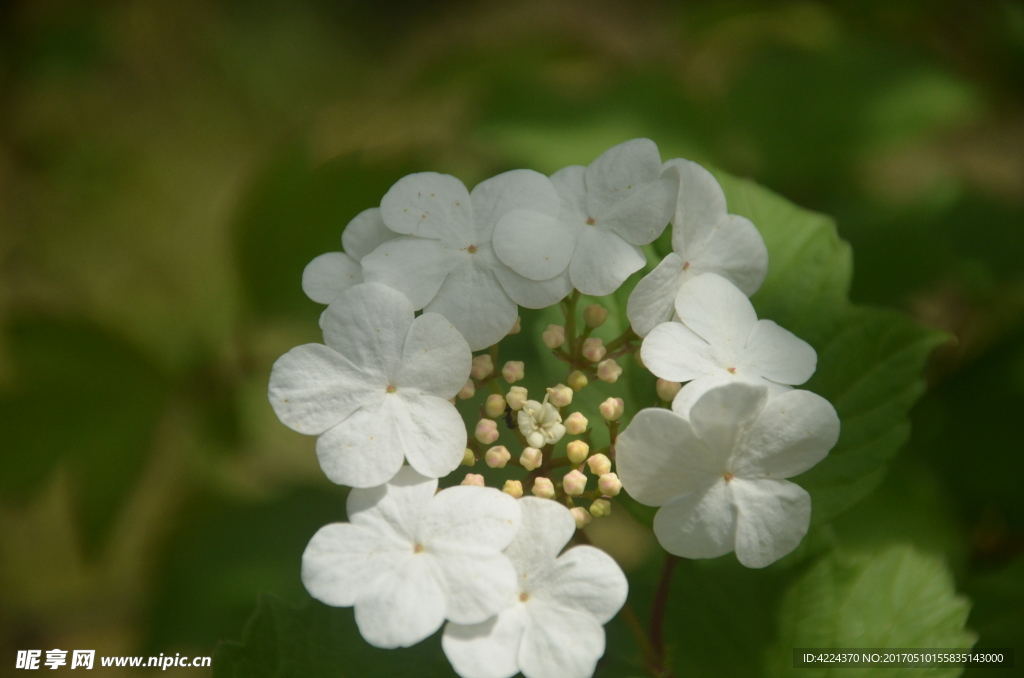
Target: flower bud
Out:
[482,367]
[453,400]
[513,371]
[468,458]
[517,327]
[531,458]
[473,479]
[574,483]
[494,406]
[599,508]
[595,315]
[486,431]
[468,391]
[612,409]
[516,398]
[593,349]
[667,390]
[553,336]
[513,488]
[609,484]
[543,488]
[575,424]
[497,456]
[577,380]
[560,395]
[609,371]
[599,464]
[577,451]
[581,516]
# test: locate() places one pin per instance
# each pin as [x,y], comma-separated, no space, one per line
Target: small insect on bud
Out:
[468,391]
[574,483]
[609,484]
[577,451]
[517,327]
[595,315]
[599,508]
[593,349]
[482,367]
[497,456]
[468,458]
[473,479]
[612,409]
[599,464]
[494,406]
[575,424]
[667,390]
[553,336]
[581,516]
[560,395]
[543,488]
[486,431]
[516,398]
[609,371]
[513,488]
[531,458]
[577,380]
[513,371]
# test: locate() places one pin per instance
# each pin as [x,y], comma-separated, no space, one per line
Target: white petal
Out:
[329,275]
[431,432]
[672,351]
[367,324]
[642,215]
[692,392]
[435,358]
[394,508]
[403,606]
[620,171]
[474,302]
[724,413]
[659,456]
[717,311]
[365,449]
[429,205]
[776,353]
[342,561]
[478,581]
[698,525]
[489,649]
[416,267]
[602,261]
[735,250]
[478,516]
[772,518]
[313,387]
[700,207]
[546,528]
[516,190]
[533,293]
[571,184]
[533,244]
[559,643]
[585,579]
[652,301]
[365,233]
[794,432]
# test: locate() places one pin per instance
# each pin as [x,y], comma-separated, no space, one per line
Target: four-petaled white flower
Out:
[622,200]
[719,475]
[330,274]
[720,340]
[540,423]
[378,391]
[705,239]
[444,262]
[409,558]
[552,625]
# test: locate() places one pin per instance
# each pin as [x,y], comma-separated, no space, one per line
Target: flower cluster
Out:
[438,272]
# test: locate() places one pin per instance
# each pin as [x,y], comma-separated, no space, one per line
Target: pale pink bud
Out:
[593,349]
[574,483]
[575,424]
[577,380]
[543,488]
[612,409]
[453,400]
[599,464]
[581,516]
[560,395]
[577,451]
[494,406]
[468,458]
[667,390]
[513,488]
[473,479]
[482,368]
[516,398]
[531,458]
[595,315]
[609,484]
[497,456]
[609,371]
[517,327]
[599,508]
[513,371]
[553,336]
[486,431]
[468,391]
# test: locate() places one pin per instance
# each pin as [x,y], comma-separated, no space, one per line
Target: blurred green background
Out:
[167,169]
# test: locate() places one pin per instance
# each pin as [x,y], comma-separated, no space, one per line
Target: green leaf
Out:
[893,599]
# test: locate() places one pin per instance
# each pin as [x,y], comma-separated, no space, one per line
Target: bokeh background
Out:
[168,168]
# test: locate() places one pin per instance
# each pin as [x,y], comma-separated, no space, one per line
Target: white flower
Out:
[328,275]
[378,391]
[622,200]
[540,423]
[445,262]
[718,476]
[552,627]
[720,340]
[408,558]
[705,239]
